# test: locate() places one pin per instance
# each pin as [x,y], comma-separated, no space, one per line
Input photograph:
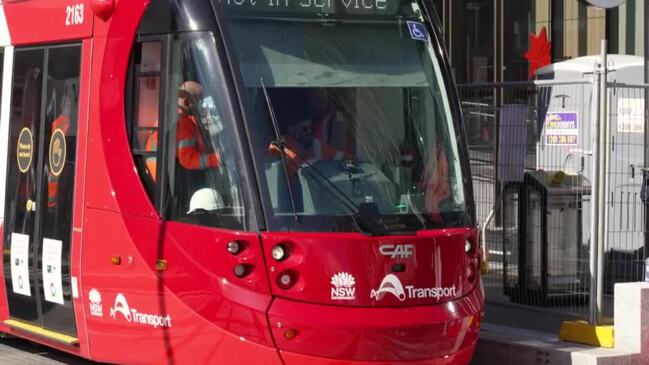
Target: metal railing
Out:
[535,163]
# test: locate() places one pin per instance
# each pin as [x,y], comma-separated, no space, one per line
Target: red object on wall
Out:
[539,53]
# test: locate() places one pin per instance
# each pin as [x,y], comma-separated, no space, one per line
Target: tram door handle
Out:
[30,206]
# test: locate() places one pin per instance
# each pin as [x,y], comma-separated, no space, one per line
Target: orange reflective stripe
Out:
[436,179]
[192,159]
[190,151]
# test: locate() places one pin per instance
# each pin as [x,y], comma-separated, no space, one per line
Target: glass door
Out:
[40,185]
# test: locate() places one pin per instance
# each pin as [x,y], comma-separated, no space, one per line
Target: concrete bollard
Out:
[632,317]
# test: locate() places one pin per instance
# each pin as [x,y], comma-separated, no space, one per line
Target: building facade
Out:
[487,39]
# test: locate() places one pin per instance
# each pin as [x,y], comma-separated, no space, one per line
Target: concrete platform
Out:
[508,345]
[512,346]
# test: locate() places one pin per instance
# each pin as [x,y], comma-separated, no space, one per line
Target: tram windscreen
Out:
[362,133]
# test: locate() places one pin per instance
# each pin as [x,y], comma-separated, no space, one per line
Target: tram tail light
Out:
[290,333]
[116,260]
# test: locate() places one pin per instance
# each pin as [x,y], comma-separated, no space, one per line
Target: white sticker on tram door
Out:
[75,289]
[20,264]
[52,284]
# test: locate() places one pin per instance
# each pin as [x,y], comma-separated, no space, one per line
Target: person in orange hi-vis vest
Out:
[191,150]
[435,181]
[302,145]
[329,125]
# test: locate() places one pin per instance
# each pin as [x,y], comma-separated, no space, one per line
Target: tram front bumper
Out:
[320,334]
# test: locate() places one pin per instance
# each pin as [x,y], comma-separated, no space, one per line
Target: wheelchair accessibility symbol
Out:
[417,31]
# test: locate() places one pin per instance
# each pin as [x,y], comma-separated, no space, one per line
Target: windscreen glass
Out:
[348,114]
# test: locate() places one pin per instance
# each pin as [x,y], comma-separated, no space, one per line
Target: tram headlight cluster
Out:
[240,270]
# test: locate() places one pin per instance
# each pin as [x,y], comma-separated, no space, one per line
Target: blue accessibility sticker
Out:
[417,31]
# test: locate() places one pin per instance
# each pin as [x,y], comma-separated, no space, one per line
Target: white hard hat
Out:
[205,199]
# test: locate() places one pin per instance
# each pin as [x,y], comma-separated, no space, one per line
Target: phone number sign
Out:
[561,129]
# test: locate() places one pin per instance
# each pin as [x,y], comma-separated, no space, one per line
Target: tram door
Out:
[40,185]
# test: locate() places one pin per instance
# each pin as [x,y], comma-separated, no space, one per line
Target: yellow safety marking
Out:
[582,332]
[35,330]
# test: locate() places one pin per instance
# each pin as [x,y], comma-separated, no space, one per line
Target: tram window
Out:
[61,132]
[204,163]
[367,119]
[146,97]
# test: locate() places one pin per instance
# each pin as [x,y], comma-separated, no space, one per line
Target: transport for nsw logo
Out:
[134,316]
[121,306]
[392,285]
[389,285]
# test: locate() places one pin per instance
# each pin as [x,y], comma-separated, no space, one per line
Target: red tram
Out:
[235,181]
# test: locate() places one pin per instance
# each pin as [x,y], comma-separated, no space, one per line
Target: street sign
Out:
[606,3]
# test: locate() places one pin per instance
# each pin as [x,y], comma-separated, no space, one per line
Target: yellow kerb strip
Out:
[38,331]
[582,332]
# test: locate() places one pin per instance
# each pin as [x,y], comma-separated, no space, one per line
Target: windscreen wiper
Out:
[361,221]
[280,145]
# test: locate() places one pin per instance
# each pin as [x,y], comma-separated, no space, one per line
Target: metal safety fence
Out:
[535,150]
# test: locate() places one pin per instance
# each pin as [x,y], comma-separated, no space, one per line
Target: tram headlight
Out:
[279,252]
[468,247]
[471,272]
[286,279]
[234,247]
[240,270]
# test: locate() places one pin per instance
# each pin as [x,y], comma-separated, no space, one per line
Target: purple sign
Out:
[561,129]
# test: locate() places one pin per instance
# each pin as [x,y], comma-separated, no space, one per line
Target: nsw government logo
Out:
[343,286]
[96,309]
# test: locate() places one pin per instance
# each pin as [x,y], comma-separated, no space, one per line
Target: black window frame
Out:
[155,189]
[159,193]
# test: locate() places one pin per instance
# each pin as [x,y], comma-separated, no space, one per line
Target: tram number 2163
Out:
[74,14]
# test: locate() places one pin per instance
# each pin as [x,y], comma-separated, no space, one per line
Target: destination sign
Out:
[334,7]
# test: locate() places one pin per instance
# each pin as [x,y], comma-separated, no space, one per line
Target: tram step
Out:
[41,332]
